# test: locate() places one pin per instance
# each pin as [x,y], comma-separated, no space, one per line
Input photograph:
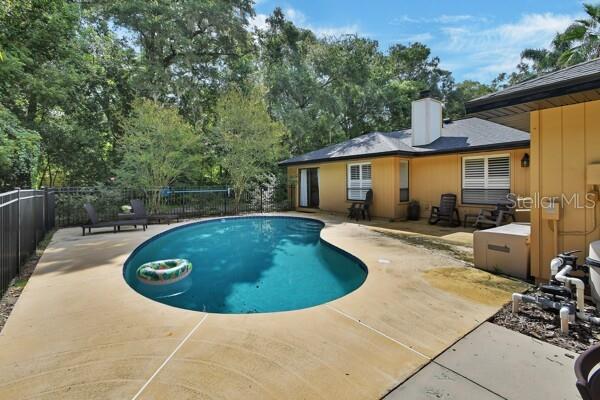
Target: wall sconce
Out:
[525,161]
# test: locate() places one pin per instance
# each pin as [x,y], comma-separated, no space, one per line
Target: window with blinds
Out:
[359,180]
[485,180]
[404,194]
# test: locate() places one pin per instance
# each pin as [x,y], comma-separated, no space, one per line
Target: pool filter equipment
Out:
[593,261]
[564,293]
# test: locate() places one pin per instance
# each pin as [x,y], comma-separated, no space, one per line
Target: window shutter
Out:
[498,173]
[474,173]
[486,180]
[359,181]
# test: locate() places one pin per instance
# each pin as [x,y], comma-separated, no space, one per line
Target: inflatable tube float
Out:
[163,272]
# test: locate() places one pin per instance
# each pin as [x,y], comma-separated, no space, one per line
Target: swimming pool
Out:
[249,265]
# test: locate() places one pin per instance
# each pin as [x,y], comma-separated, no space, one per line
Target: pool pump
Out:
[564,293]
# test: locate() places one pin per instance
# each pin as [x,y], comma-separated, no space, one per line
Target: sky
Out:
[473,39]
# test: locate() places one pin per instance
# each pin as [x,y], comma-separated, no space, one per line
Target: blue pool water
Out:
[248,265]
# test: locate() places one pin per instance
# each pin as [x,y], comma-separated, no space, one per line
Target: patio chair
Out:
[588,386]
[503,212]
[139,211]
[116,224]
[446,211]
[362,208]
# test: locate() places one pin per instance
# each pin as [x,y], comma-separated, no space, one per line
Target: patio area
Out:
[79,331]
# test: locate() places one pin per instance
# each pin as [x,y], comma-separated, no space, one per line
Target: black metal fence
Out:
[25,217]
[184,202]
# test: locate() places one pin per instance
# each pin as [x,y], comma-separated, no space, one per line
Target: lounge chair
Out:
[588,386]
[503,212]
[139,211]
[362,208]
[446,211]
[116,225]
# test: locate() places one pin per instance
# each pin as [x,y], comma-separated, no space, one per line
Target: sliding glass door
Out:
[309,187]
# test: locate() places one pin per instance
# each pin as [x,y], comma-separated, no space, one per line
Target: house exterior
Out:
[561,110]
[478,160]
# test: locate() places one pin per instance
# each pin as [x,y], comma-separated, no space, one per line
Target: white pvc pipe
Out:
[564,320]
[561,276]
[516,298]
[588,318]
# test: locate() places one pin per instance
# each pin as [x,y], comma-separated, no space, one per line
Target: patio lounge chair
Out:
[139,211]
[588,386]
[362,208]
[116,225]
[498,216]
[446,211]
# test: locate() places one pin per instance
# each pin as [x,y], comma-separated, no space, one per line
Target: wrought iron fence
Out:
[185,202]
[25,217]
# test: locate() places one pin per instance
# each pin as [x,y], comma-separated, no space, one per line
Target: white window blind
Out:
[486,180]
[359,180]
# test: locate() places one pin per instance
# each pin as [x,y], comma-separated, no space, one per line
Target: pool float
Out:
[164,271]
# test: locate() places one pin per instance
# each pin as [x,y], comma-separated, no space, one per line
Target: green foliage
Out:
[158,148]
[71,71]
[19,152]
[250,141]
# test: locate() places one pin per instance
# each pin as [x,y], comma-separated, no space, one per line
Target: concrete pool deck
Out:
[79,331]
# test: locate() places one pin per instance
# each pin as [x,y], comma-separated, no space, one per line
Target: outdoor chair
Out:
[446,211]
[139,211]
[588,386]
[116,224]
[363,208]
[503,212]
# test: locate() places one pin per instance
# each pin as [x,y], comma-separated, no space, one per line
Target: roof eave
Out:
[487,147]
[534,94]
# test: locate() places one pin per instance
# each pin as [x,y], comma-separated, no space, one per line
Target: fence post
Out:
[44,208]
[261,200]
[225,195]
[18,229]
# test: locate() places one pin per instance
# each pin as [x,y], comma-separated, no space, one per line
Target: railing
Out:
[25,217]
[184,202]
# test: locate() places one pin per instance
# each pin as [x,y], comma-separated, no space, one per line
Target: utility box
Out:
[504,249]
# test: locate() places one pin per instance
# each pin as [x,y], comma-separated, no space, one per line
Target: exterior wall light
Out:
[525,161]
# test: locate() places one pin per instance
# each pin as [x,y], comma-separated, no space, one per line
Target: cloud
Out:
[259,21]
[485,51]
[299,19]
[417,37]
[443,19]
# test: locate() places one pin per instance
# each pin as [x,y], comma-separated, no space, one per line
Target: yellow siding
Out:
[564,140]
[432,176]
[429,177]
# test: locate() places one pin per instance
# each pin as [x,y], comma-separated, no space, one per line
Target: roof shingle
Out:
[461,135]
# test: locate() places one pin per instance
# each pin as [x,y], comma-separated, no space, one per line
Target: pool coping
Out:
[358,346]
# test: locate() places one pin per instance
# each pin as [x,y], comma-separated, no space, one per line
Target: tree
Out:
[186,48]
[250,141]
[158,148]
[581,39]
[19,152]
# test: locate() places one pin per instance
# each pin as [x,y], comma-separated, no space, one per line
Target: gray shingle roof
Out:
[461,135]
[583,72]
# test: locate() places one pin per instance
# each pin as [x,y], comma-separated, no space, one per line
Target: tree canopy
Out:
[79,81]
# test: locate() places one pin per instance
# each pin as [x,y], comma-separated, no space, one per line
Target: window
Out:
[404,195]
[486,180]
[359,180]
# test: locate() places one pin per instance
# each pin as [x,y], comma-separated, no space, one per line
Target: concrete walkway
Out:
[80,332]
[493,363]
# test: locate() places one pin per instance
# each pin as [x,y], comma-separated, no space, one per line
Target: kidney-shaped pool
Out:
[248,265]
